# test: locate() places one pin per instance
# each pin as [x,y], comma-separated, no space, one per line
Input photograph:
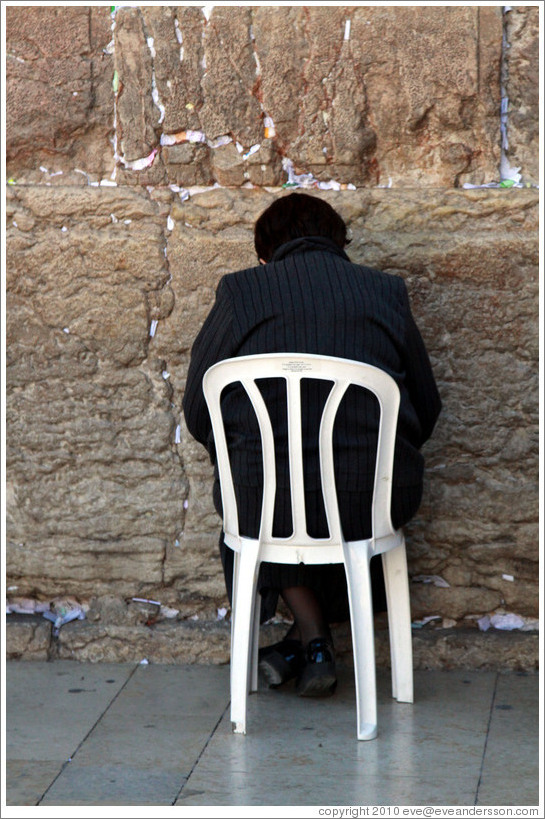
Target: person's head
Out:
[293,216]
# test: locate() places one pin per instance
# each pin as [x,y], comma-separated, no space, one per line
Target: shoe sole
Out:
[317,681]
[276,670]
[271,675]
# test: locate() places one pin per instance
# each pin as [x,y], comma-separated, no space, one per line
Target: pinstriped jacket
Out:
[311,298]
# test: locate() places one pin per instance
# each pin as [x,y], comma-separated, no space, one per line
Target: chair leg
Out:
[255,644]
[246,569]
[236,561]
[399,622]
[390,603]
[253,669]
[361,616]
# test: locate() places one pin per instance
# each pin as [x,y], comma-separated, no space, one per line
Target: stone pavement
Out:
[158,735]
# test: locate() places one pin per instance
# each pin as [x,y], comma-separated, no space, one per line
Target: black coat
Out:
[310,298]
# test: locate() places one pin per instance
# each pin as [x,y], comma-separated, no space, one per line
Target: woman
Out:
[306,296]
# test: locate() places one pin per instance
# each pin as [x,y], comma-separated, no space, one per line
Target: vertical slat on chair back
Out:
[386,391]
[294,368]
[327,462]
[269,457]
[295,452]
[214,381]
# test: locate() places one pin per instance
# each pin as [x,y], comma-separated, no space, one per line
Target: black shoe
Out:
[281,662]
[318,677]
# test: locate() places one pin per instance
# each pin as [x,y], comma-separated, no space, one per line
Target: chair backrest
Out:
[293,368]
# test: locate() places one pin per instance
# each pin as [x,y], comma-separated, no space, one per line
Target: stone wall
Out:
[141,147]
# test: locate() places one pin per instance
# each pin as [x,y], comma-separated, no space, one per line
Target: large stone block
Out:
[94,481]
[95,485]
[445,649]
[163,643]
[138,116]
[59,104]
[394,96]
[458,601]
[80,259]
[27,638]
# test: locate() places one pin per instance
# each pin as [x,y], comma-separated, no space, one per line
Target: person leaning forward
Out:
[306,296]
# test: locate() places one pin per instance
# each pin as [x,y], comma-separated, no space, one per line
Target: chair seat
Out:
[288,550]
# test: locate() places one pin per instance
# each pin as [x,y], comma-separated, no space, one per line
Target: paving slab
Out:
[427,753]
[510,774]
[50,709]
[45,693]
[27,780]
[144,748]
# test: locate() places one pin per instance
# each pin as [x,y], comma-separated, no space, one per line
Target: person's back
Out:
[311,298]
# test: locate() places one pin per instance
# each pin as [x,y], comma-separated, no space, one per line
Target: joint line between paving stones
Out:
[486,740]
[205,746]
[87,735]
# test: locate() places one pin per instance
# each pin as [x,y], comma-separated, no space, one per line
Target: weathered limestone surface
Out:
[325,86]
[59,112]
[522,90]
[111,273]
[210,643]
[436,649]
[91,262]
[361,95]
[27,638]
[460,648]
[95,486]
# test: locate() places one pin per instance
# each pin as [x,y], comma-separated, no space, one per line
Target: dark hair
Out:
[294,216]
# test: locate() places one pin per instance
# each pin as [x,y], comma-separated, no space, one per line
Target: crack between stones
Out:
[178,33]
[491,712]
[154,90]
[257,90]
[302,109]
[506,171]
[173,410]
[205,746]
[92,93]
[331,78]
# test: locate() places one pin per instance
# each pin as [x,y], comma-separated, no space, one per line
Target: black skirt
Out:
[327,580]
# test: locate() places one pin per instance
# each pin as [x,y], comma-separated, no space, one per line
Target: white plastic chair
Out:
[300,547]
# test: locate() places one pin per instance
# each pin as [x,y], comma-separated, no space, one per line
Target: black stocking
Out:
[307,613]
